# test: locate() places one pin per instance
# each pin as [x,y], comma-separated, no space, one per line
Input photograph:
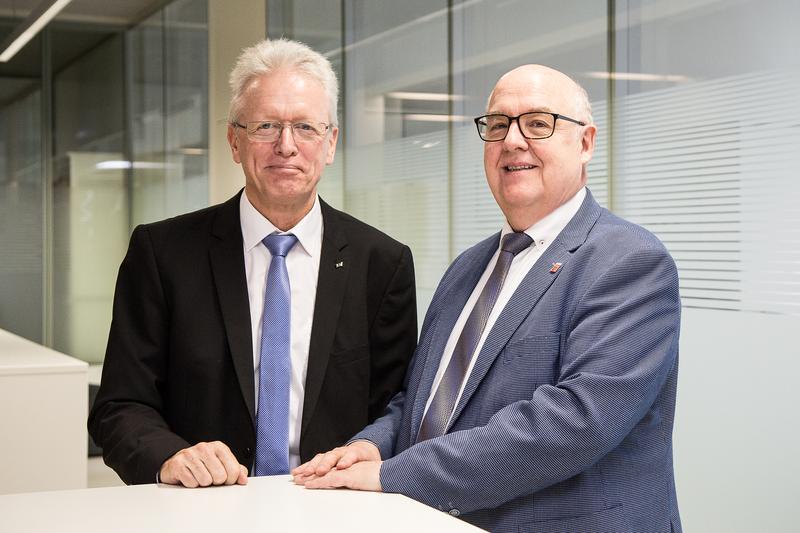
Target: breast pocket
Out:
[532,360]
[519,369]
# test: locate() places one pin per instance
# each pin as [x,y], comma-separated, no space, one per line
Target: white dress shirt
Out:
[302,263]
[543,233]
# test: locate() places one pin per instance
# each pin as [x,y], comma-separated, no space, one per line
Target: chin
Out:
[521,195]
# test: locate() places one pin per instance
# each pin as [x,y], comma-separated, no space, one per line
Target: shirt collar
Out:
[547,229]
[256,226]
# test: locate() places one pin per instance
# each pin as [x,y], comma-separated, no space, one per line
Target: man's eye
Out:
[497,126]
[537,124]
[304,126]
[266,126]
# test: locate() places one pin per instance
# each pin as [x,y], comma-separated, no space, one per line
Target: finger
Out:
[215,467]
[319,482]
[349,458]
[166,475]
[309,466]
[332,480]
[329,461]
[242,479]
[199,471]
[231,467]
[363,476]
[174,471]
[302,480]
[185,476]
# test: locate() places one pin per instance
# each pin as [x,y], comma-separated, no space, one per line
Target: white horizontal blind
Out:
[598,166]
[710,167]
[475,213]
[400,186]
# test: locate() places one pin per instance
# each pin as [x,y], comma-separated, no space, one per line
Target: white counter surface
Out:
[264,504]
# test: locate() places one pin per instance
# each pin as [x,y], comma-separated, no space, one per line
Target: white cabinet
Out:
[43,409]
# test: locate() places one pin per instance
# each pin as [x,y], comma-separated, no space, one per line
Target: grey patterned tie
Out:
[434,424]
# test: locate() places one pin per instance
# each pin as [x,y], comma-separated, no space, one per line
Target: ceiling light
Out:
[638,76]
[423,117]
[431,97]
[28,28]
[124,165]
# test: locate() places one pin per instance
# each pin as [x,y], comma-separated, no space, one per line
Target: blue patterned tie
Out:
[434,424]
[275,369]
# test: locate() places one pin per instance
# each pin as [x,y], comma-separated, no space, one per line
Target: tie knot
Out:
[516,242]
[279,244]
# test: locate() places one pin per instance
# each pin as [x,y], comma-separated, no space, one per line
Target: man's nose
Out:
[514,139]
[285,144]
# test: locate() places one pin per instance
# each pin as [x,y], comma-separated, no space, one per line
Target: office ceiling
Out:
[81,26]
[121,12]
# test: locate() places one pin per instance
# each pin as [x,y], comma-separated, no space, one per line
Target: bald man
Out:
[542,392]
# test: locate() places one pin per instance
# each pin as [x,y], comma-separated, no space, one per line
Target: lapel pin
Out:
[340,264]
[555,267]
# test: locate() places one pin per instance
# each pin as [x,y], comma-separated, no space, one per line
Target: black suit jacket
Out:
[179,363]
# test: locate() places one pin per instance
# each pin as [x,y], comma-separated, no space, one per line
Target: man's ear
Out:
[233,140]
[587,143]
[332,146]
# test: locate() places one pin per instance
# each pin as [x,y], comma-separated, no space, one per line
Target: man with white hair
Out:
[542,392]
[248,336]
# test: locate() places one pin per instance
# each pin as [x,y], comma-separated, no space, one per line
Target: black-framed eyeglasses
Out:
[270,130]
[533,125]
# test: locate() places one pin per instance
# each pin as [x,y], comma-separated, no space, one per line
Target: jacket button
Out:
[455,512]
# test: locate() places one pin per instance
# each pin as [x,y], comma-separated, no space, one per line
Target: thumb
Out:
[242,479]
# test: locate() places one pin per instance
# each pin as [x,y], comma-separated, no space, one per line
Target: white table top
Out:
[21,356]
[264,504]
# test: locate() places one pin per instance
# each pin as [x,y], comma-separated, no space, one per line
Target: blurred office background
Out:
[114,115]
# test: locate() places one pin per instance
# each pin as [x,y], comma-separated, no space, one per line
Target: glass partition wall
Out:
[101,128]
[697,114]
[167,55]
[412,75]
[22,193]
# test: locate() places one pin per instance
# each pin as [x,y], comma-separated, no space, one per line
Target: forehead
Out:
[519,92]
[285,94]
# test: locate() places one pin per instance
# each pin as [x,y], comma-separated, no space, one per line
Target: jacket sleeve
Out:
[620,346]
[393,335]
[127,418]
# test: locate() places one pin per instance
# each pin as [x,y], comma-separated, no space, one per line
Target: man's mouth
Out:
[512,168]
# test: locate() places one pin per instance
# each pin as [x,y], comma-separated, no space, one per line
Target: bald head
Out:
[531,176]
[574,100]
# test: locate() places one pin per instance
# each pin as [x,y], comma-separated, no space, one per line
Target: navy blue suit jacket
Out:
[565,423]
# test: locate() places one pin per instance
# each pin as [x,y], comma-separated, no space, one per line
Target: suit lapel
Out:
[334,265]
[227,266]
[527,295]
[466,275]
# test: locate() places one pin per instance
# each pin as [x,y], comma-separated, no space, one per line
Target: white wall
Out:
[737,435]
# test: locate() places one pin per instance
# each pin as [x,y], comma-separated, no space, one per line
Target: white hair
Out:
[268,56]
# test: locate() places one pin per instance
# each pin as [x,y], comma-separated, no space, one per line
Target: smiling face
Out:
[531,178]
[283,175]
